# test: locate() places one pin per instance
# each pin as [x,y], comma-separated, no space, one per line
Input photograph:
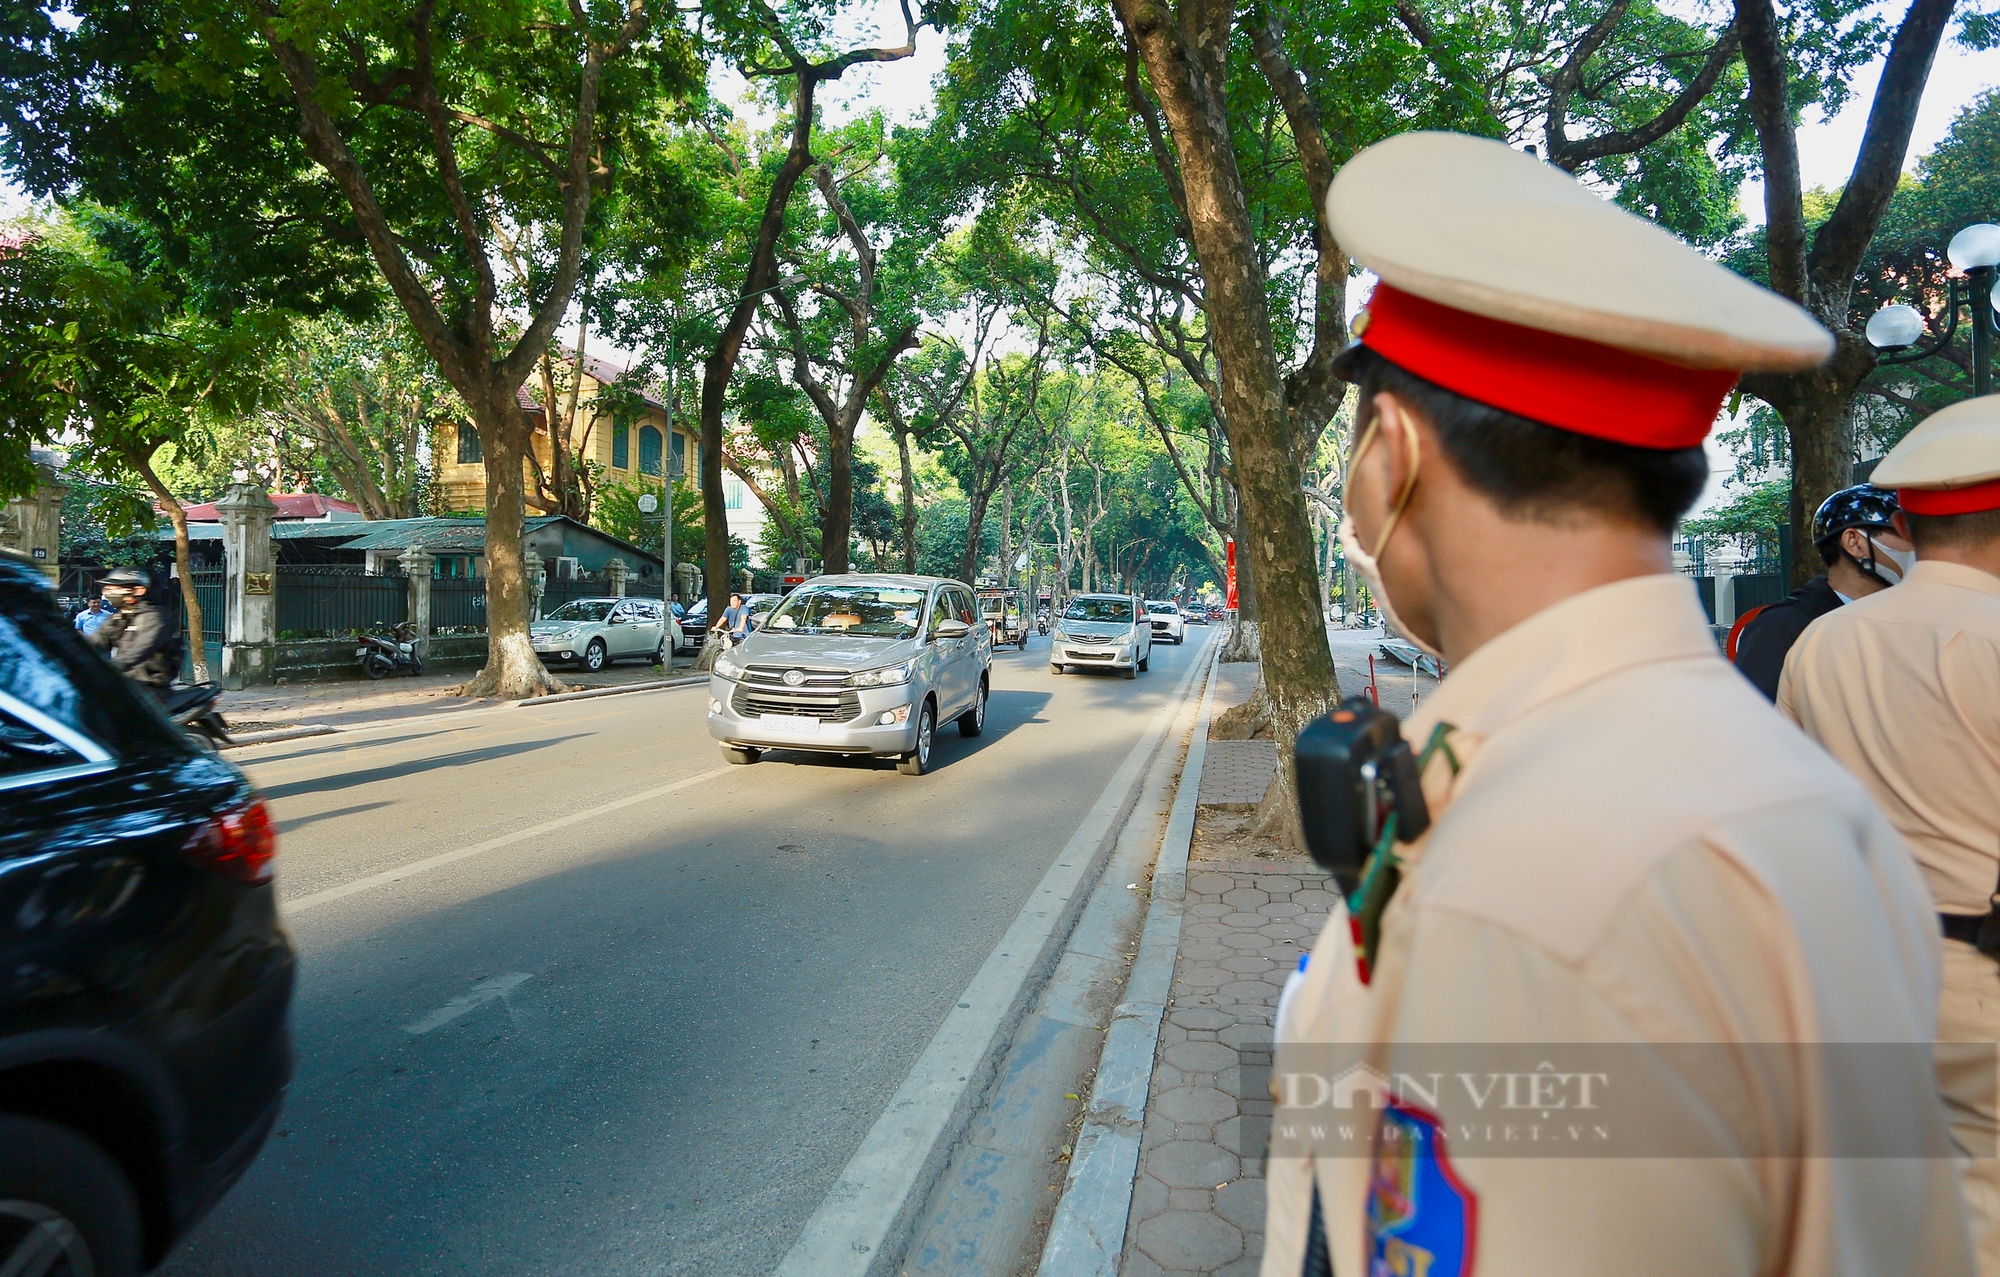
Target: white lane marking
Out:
[872,1197]
[313,900]
[483,992]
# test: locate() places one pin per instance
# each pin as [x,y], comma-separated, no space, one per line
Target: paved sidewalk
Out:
[1198,1205]
[362,701]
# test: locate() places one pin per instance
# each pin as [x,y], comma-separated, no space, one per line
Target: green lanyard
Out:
[1383,872]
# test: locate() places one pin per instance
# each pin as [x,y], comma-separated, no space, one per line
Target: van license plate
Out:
[799,723]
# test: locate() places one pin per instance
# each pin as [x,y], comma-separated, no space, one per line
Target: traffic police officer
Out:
[1628,848]
[1904,688]
[1855,533]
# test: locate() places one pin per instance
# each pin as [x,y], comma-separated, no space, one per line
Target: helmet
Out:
[1862,506]
[127,576]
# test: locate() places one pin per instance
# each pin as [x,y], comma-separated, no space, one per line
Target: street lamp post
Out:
[1899,330]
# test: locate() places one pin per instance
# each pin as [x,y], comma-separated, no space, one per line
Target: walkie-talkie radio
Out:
[1355,771]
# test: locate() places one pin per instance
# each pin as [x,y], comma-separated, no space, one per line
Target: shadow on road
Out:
[415,767]
[298,823]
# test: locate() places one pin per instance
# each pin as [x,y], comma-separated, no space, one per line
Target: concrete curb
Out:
[650,686]
[863,1225]
[1088,1232]
[281,733]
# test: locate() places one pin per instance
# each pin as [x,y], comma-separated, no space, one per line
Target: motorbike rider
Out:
[1855,533]
[138,637]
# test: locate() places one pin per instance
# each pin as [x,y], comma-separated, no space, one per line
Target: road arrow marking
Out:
[482,993]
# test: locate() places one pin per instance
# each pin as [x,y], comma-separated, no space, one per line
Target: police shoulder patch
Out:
[1423,1220]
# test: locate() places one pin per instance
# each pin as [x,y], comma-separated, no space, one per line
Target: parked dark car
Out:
[144,980]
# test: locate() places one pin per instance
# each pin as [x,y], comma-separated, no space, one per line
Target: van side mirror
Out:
[951,629]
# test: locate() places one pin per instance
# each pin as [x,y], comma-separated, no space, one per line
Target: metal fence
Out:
[1758,589]
[327,601]
[458,605]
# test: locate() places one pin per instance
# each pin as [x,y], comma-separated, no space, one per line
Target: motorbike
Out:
[380,656]
[194,710]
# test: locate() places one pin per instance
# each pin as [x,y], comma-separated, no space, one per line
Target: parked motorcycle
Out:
[194,710]
[384,656]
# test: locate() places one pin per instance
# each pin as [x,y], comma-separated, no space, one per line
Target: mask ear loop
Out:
[1409,481]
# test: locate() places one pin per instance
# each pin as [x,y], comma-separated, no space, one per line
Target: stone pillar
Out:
[745,587]
[249,598]
[614,575]
[32,525]
[531,568]
[688,578]
[418,565]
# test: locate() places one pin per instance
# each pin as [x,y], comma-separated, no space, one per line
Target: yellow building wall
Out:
[462,485]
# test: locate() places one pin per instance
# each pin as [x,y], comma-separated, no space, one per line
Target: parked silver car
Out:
[596,632]
[1103,631]
[856,664]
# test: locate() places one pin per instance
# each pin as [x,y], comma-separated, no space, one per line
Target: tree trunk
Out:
[1188,73]
[975,525]
[512,670]
[184,565]
[836,521]
[1243,640]
[909,502]
[1006,534]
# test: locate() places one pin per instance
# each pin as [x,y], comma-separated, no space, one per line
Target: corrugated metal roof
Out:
[459,535]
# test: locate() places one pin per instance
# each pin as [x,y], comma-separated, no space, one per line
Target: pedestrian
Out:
[137,635]
[1855,534]
[1627,848]
[1904,688]
[92,616]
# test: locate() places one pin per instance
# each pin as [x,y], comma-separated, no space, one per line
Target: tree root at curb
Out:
[512,672]
[1249,721]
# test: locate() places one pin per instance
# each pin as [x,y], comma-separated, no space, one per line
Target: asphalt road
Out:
[645,1040]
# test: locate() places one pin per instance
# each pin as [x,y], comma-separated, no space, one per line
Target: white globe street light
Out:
[1975,246]
[1903,333]
[1894,327]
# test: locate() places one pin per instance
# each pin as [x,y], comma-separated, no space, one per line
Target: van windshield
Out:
[1117,611]
[871,611]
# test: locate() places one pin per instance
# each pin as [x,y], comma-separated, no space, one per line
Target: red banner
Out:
[1231,602]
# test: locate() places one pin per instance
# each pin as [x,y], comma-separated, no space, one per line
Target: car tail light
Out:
[237,844]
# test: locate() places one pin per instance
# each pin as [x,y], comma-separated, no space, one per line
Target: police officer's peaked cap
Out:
[1506,281]
[1949,464]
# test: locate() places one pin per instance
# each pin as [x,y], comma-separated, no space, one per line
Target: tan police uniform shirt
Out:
[1904,688]
[1638,852]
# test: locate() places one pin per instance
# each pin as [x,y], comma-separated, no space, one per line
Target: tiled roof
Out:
[453,535]
[291,505]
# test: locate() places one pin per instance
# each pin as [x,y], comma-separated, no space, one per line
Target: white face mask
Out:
[1892,564]
[1365,564]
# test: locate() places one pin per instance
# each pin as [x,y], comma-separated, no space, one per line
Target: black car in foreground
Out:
[144,979]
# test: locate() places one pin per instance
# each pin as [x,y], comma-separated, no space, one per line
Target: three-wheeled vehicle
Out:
[1001,610]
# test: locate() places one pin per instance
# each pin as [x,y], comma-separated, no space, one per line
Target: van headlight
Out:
[888,676]
[727,668]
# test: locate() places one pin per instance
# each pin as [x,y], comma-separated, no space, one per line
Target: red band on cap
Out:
[1576,385]
[1967,500]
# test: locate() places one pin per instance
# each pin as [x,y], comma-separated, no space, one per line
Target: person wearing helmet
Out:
[1855,533]
[138,638]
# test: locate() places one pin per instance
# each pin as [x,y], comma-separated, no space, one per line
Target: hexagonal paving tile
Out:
[1200,1057]
[1245,898]
[1242,1204]
[1202,1018]
[1187,1164]
[1184,1239]
[1195,1104]
[1209,884]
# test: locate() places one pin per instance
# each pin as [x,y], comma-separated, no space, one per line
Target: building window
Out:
[621,446]
[468,445]
[680,454]
[649,450]
[732,493]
